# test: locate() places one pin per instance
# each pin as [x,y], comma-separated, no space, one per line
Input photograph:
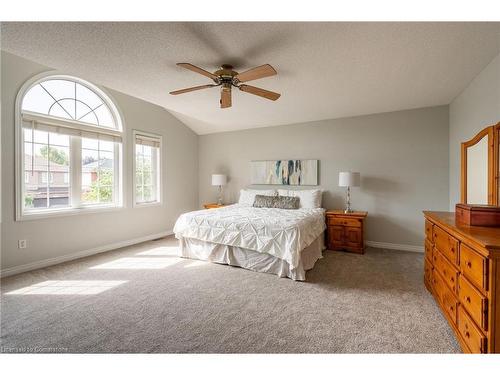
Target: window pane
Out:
[106,176]
[106,194]
[138,193]
[91,144]
[148,194]
[105,117]
[146,178]
[60,88]
[97,172]
[90,117]
[106,146]
[58,139]
[90,194]
[40,137]
[59,111]
[146,173]
[67,106]
[36,167]
[27,135]
[87,96]
[59,187]
[37,100]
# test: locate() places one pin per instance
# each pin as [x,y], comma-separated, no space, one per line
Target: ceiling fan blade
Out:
[177,92]
[198,70]
[225,97]
[260,92]
[262,71]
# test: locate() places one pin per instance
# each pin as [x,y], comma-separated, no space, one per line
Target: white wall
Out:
[63,236]
[402,157]
[477,107]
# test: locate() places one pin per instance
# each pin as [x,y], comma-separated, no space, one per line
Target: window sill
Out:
[27,216]
[149,204]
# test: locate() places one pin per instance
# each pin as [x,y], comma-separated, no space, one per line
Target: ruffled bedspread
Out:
[278,232]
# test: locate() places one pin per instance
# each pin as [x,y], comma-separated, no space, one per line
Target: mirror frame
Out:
[493,134]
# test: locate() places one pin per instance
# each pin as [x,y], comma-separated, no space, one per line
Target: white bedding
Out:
[278,232]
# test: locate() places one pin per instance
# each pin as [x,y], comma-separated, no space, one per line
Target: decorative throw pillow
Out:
[247,196]
[308,198]
[288,203]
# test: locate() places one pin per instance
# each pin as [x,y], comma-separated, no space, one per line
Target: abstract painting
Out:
[284,172]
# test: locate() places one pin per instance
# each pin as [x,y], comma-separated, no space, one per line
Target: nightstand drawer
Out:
[346,222]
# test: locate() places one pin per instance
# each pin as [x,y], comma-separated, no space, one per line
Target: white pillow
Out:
[247,196]
[308,198]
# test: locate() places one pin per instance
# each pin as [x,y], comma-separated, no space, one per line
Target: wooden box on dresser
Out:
[462,271]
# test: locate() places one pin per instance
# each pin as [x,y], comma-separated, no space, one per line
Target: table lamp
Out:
[219,180]
[349,179]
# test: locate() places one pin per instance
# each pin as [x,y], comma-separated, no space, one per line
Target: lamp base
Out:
[348,211]
[219,199]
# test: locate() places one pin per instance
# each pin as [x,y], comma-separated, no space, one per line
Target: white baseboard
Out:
[395,246]
[81,254]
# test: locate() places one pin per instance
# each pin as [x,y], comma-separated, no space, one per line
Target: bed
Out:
[284,242]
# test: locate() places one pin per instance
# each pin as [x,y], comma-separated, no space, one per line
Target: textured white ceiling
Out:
[325,70]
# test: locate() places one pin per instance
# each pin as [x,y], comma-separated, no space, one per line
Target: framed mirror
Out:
[481,168]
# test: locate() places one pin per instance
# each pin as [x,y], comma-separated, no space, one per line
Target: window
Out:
[147,151]
[70,145]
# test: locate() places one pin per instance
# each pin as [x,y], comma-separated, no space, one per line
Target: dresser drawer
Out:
[474,266]
[428,230]
[344,222]
[437,285]
[446,244]
[428,272]
[473,337]
[450,304]
[428,250]
[474,302]
[446,270]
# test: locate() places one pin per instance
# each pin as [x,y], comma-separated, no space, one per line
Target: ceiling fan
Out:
[227,78]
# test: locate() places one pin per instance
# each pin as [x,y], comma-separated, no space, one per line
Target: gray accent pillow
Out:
[276,202]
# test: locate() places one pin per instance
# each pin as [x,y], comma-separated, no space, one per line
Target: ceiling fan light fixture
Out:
[227,77]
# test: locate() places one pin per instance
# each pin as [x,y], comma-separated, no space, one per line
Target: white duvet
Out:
[278,232]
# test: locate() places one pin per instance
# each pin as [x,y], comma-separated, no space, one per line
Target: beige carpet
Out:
[144,299]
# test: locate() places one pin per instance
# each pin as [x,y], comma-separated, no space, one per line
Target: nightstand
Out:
[213,205]
[345,231]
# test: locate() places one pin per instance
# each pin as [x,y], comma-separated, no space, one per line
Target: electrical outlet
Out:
[22,244]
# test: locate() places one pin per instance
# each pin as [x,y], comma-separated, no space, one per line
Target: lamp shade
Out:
[349,179]
[219,179]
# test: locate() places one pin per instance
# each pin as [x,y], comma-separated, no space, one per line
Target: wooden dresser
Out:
[345,231]
[462,271]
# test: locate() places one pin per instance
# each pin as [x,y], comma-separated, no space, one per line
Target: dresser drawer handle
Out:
[469,264]
[467,334]
[468,299]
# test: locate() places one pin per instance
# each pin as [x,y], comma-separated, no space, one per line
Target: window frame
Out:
[20,213]
[159,192]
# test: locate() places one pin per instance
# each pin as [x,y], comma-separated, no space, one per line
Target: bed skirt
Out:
[250,259]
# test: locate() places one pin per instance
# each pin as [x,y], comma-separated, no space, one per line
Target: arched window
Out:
[70,142]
